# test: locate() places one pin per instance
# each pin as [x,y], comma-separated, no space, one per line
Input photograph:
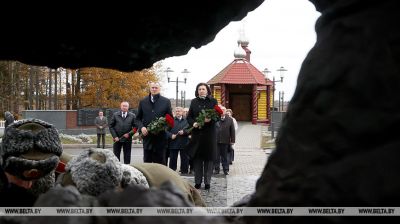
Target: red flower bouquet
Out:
[160,124]
[218,110]
[212,114]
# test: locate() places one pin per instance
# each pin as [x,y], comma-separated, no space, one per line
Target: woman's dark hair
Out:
[202,84]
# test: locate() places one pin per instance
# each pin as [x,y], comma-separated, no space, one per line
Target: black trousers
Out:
[103,140]
[185,162]
[127,147]
[222,157]
[154,156]
[202,168]
[173,160]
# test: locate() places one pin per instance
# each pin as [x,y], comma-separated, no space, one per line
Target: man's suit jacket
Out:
[101,122]
[120,126]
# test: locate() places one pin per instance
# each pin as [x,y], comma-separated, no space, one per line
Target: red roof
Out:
[239,71]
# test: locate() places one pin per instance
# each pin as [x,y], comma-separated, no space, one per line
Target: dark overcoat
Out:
[149,111]
[226,131]
[203,143]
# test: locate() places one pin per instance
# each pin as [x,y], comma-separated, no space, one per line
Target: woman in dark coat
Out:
[203,144]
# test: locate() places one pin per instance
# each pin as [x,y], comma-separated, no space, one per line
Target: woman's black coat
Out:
[203,143]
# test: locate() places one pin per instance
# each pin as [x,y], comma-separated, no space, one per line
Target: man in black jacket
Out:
[122,122]
[178,139]
[225,137]
[151,107]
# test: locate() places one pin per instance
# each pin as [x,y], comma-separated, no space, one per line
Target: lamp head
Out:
[168,70]
[281,71]
[185,72]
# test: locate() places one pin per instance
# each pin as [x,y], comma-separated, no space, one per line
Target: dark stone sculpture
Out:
[338,145]
[125,36]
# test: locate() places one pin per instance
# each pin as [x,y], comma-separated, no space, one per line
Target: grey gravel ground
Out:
[226,190]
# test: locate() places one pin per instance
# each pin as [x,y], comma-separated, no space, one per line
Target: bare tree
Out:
[49,91]
[68,89]
[31,91]
[55,103]
[37,89]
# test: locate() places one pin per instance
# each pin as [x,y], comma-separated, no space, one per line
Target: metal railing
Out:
[3,122]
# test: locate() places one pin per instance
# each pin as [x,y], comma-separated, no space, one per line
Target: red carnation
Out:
[218,109]
[169,120]
[134,130]
[60,167]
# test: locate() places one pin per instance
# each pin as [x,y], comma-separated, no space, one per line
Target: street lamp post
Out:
[281,71]
[279,101]
[185,72]
[183,98]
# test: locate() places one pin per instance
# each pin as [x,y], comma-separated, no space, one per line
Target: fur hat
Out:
[95,171]
[131,175]
[30,149]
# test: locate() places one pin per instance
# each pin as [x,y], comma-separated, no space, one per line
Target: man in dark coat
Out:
[121,124]
[101,124]
[225,138]
[178,139]
[203,144]
[151,107]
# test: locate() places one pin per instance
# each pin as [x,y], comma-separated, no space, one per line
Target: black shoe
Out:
[197,186]
[207,187]
[216,172]
[98,146]
[226,172]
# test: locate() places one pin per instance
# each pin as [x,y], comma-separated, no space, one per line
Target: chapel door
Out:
[241,106]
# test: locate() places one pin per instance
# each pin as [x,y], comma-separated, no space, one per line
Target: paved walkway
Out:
[249,163]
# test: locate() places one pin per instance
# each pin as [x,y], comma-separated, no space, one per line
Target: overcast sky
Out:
[281,33]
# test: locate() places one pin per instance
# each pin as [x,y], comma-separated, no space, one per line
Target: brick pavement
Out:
[250,159]
[249,163]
